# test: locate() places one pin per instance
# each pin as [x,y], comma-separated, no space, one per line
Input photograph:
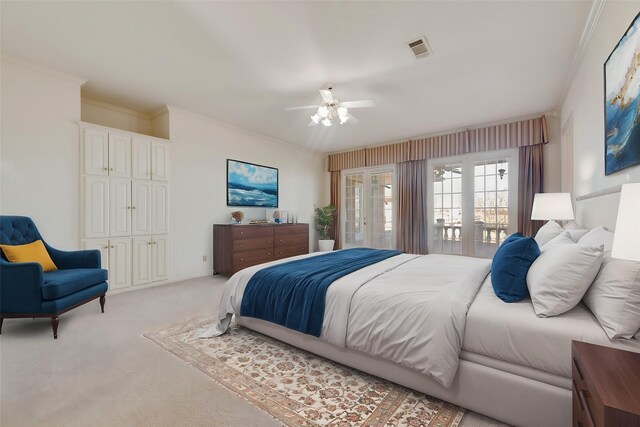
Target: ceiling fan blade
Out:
[312,123]
[326,95]
[305,107]
[353,120]
[365,103]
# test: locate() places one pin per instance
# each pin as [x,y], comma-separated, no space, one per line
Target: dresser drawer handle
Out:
[268,253]
[577,365]
[582,396]
[241,259]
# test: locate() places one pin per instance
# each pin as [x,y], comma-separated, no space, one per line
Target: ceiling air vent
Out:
[420,48]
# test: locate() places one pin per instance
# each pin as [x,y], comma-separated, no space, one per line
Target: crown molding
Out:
[113,107]
[21,62]
[585,39]
[245,131]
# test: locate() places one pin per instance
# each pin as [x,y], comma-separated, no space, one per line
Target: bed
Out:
[498,359]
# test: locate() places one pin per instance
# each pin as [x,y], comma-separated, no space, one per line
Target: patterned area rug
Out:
[299,388]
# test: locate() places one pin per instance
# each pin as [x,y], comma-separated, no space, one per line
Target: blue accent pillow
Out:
[510,266]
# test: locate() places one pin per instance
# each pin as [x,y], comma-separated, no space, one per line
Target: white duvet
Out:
[408,309]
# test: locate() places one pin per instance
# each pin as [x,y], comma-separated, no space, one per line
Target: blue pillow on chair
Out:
[510,266]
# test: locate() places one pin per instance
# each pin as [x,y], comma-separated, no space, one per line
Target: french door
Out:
[473,202]
[368,208]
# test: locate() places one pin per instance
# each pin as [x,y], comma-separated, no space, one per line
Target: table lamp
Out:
[552,206]
[626,241]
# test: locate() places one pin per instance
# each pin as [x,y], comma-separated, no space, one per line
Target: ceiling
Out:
[244,62]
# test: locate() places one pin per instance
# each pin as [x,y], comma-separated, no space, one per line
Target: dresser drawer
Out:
[243,245]
[280,230]
[290,251]
[251,232]
[293,240]
[244,259]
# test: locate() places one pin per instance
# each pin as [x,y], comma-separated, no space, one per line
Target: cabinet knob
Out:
[111,169]
[133,207]
[241,245]
[105,169]
[268,253]
[241,259]
[128,207]
[112,246]
[106,247]
[155,243]
[149,243]
[242,232]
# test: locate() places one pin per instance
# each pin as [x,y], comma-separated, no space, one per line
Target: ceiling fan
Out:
[333,109]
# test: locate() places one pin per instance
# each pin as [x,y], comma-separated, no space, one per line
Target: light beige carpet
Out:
[299,388]
[101,371]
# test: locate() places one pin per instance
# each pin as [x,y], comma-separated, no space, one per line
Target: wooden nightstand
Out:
[606,386]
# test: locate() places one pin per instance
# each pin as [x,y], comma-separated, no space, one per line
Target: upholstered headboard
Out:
[599,208]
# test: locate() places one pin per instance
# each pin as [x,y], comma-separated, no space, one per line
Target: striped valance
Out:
[347,160]
[387,154]
[497,137]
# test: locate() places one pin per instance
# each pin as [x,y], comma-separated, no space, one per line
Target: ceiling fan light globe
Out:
[323,111]
[326,122]
[315,118]
[343,120]
[343,112]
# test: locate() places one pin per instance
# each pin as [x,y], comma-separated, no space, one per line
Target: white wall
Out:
[200,148]
[585,99]
[39,149]
[552,174]
[104,114]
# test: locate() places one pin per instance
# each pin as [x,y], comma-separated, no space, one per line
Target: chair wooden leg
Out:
[102,299]
[54,325]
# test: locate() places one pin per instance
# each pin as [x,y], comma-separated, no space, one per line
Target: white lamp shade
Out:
[548,206]
[626,241]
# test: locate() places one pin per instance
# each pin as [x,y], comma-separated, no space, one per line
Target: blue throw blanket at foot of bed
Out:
[292,294]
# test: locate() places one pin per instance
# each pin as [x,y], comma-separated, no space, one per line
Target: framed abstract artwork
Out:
[621,95]
[252,185]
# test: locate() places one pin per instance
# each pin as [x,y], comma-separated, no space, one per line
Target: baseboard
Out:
[152,285]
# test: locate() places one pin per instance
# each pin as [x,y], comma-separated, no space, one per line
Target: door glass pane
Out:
[381,210]
[354,210]
[447,210]
[491,203]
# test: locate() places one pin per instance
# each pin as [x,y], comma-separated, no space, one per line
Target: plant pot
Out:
[326,245]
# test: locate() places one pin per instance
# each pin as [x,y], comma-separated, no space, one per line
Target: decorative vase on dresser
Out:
[240,246]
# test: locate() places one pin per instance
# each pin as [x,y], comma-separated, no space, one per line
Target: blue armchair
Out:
[26,291]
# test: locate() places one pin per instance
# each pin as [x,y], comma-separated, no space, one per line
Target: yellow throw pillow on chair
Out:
[31,252]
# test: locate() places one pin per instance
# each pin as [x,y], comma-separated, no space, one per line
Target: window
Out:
[368,208]
[474,203]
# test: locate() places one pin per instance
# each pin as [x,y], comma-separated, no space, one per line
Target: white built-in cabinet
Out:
[126,203]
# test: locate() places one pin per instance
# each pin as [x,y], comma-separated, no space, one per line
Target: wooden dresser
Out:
[606,386]
[239,246]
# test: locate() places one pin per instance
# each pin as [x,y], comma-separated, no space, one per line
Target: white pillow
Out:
[559,277]
[572,225]
[614,297]
[599,236]
[547,232]
[563,238]
[575,230]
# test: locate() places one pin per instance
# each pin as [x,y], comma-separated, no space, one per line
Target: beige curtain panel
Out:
[412,207]
[509,135]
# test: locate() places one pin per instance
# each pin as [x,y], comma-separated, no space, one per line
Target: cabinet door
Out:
[160,208]
[103,246]
[96,152]
[140,208]
[159,258]
[96,207]
[119,263]
[140,158]
[120,207]
[119,155]
[159,161]
[141,271]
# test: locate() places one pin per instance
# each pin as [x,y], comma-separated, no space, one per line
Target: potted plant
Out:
[323,218]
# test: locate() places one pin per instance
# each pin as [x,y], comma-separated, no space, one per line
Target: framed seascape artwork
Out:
[621,89]
[249,184]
